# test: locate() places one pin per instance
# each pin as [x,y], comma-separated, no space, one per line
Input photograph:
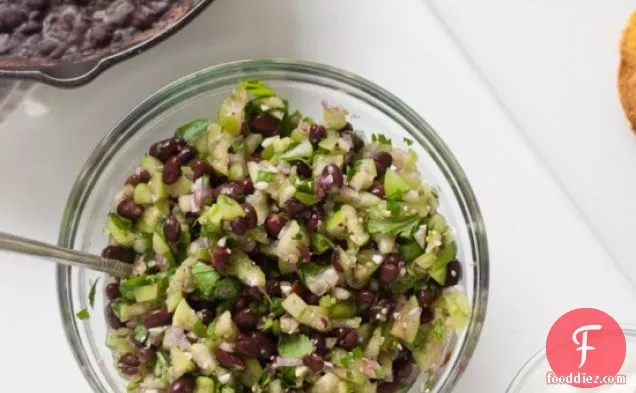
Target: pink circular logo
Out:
[585,347]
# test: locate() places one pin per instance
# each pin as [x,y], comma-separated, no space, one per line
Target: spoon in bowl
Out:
[64,256]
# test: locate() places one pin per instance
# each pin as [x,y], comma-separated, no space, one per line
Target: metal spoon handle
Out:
[64,256]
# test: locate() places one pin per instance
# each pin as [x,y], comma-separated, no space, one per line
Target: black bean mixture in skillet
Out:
[274,253]
[74,29]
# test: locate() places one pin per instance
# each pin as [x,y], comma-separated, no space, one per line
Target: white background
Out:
[544,259]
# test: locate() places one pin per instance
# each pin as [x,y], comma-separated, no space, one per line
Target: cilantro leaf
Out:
[199,329]
[438,328]
[257,88]
[193,129]
[83,314]
[306,198]
[227,288]
[205,278]
[265,176]
[394,226]
[127,287]
[161,368]
[238,147]
[408,141]
[380,138]
[123,224]
[357,353]
[141,333]
[288,376]
[91,294]
[321,243]
[394,207]
[295,347]
[289,123]
[276,306]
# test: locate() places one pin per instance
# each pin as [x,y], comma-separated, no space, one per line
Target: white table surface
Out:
[553,64]
[544,260]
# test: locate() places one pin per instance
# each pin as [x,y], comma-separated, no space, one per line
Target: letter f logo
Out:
[584,347]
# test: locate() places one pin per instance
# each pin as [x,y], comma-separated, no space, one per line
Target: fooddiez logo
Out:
[585,348]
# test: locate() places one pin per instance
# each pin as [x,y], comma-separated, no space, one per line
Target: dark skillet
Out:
[75,69]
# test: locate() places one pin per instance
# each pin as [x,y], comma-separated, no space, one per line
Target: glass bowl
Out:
[532,378]
[199,95]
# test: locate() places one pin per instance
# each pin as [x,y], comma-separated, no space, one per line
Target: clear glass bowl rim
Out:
[535,361]
[300,71]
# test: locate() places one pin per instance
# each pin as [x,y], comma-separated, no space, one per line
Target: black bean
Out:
[129,359]
[239,226]
[200,168]
[382,310]
[295,208]
[377,189]
[157,318]
[316,134]
[184,384]
[144,176]
[302,170]
[146,354]
[172,229]
[246,320]
[11,17]
[314,362]
[426,316]
[365,298]
[428,295]
[171,170]
[331,177]
[358,143]
[253,293]
[247,185]
[347,338]
[402,370]
[165,149]
[112,319]
[198,304]
[348,158]
[221,259]
[246,348]
[229,360]
[404,355]
[241,303]
[187,154]
[264,124]
[272,288]
[128,370]
[453,273]
[274,224]
[388,387]
[250,215]
[207,316]
[383,161]
[136,178]
[100,35]
[311,298]
[124,254]
[129,209]
[335,260]
[37,4]
[231,189]
[112,291]
[266,347]
[315,220]
[319,341]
